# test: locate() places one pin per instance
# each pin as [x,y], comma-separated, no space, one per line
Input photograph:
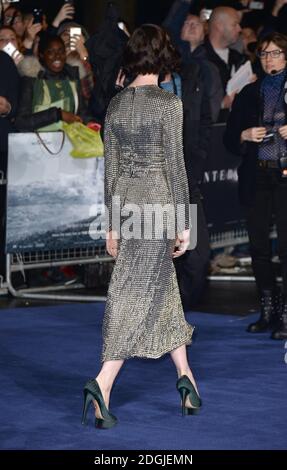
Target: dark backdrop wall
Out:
[152,11]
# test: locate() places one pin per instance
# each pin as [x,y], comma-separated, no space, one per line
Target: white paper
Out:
[242,77]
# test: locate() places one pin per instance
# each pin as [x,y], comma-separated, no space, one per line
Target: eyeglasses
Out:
[274,54]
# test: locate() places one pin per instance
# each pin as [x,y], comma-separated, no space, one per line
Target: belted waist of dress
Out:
[136,167]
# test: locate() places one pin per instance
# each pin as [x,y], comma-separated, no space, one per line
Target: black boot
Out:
[267,317]
[281,331]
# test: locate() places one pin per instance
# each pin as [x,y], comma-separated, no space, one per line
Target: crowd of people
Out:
[54,73]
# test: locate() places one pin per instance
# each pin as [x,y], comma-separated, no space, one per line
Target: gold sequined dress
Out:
[144,164]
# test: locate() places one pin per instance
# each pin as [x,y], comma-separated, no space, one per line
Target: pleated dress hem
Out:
[146,355]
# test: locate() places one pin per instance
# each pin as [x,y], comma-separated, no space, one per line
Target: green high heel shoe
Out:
[186,389]
[93,392]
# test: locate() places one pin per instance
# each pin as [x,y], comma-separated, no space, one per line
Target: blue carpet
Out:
[47,354]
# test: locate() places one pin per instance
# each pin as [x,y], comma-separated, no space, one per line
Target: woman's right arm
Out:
[112,157]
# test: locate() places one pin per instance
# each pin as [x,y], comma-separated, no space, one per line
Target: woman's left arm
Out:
[174,156]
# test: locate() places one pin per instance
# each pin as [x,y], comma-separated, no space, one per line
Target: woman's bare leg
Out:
[106,378]
[179,357]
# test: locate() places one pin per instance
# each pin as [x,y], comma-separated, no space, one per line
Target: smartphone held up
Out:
[13,52]
[69,6]
[75,33]
[38,15]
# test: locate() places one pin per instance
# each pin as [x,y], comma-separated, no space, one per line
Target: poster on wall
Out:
[54,201]
[220,189]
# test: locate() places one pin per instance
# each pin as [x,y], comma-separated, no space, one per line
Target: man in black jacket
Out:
[105,53]
[9,85]
[192,267]
[224,30]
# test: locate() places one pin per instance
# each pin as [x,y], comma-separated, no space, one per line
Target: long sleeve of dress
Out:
[112,155]
[174,156]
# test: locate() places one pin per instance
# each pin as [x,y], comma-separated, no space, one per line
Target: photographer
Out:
[257,131]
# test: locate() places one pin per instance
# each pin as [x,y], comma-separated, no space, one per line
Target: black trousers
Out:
[191,268]
[270,200]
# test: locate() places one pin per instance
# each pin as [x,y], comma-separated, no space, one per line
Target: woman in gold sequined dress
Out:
[144,166]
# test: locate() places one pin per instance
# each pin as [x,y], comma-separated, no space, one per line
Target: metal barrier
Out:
[3,182]
[27,261]
[231,238]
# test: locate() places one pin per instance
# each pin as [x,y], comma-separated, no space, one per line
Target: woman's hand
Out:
[69,118]
[17,57]
[67,12]
[181,243]
[5,106]
[253,134]
[31,32]
[283,131]
[77,43]
[112,243]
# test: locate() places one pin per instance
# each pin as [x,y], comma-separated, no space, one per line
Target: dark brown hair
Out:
[148,51]
[46,39]
[279,39]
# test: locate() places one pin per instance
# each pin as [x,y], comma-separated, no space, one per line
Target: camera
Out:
[38,15]
[268,138]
